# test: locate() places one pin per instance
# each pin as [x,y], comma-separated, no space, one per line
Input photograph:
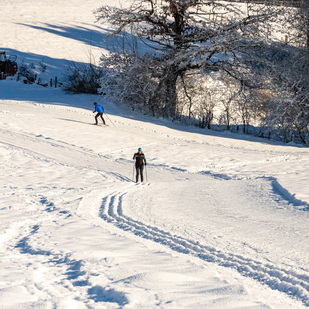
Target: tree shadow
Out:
[99,37]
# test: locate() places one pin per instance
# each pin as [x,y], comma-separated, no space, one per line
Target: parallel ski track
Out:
[287,281]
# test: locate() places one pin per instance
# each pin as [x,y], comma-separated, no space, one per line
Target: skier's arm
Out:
[145,160]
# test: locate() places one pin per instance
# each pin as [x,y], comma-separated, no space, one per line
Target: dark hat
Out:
[95,103]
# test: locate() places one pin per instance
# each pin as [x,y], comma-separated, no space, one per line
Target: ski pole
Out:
[109,119]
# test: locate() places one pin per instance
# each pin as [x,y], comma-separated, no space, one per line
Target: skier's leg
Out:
[102,119]
[137,173]
[96,118]
[142,177]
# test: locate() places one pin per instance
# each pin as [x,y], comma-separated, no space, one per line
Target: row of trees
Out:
[212,60]
[288,109]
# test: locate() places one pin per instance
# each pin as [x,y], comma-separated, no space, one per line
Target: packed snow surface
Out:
[220,222]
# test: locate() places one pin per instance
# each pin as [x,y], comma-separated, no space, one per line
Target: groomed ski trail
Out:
[289,282]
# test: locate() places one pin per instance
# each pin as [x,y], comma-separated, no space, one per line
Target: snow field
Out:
[102,239]
[222,221]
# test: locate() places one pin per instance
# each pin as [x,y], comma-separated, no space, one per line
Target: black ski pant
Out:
[139,170]
[99,115]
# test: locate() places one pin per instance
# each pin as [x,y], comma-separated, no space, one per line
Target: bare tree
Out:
[190,35]
[129,78]
[288,109]
[299,24]
[228,102]
[197,99]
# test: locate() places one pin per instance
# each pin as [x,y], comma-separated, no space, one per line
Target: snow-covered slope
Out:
[222,221]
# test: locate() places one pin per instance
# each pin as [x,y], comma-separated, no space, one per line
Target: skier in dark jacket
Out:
[139,158]
[100,110]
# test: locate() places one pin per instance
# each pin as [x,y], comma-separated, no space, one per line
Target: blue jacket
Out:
[99,108]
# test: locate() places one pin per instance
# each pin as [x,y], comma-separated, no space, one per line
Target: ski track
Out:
[58,265]
[76,275]
[287,281]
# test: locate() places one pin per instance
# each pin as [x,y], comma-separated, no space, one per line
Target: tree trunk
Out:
[171,92]
[307,30]
[165,97]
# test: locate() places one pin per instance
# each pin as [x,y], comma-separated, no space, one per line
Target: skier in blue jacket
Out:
[99,109]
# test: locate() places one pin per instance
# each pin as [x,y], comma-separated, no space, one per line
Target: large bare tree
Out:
[188,35]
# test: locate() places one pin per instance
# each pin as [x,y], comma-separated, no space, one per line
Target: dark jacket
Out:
[140,158]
